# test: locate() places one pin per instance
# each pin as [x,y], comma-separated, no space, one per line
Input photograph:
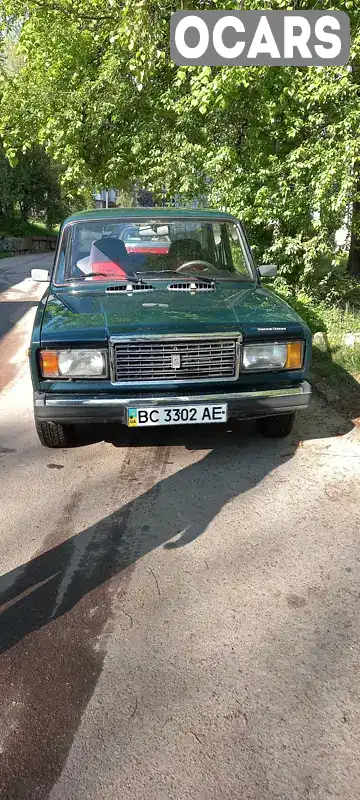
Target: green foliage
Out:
[31,187]
[335,320]
[125,198]
[36,185]
[348,358]
[16,226]
[7,187]
[95,86]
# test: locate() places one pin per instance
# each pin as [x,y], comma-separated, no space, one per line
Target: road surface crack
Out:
[135,708]
[195,736]
[156,581]
[129,617]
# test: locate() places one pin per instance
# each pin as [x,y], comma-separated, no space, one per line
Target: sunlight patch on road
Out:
[13,348]
[27,289]
[22,329]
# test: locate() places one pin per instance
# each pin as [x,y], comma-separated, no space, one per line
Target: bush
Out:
[333,319]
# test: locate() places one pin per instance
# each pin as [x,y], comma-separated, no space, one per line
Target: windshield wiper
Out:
[88,275]
[180,275]
[108,275]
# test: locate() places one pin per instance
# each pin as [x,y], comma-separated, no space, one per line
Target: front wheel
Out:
[52,434]
[278,426]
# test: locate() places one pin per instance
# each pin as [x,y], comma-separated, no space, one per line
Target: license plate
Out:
[177,415]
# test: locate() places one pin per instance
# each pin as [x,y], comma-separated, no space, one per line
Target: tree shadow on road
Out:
[181,505]
[11,312]
[53,608]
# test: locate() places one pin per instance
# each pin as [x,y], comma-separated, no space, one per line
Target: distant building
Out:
[106,198]
[109,198]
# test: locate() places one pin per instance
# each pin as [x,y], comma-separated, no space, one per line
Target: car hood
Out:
[94,315]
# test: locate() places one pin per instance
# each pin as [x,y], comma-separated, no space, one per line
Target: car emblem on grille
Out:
[175,361]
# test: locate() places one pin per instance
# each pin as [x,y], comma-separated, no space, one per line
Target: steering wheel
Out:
[197,261]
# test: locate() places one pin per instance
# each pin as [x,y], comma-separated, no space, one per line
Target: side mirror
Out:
[267,270]
[40,275]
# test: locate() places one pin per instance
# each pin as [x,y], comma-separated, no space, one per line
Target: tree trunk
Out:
[353,265]
[25,209]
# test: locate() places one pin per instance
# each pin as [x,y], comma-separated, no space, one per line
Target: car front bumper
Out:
[82,408]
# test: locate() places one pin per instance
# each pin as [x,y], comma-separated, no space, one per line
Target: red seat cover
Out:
[107,267]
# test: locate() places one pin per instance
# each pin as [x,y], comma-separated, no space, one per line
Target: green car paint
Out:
[79,315]
[139,214]
[71,315]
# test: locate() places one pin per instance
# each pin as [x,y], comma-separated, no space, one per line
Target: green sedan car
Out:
[157,316]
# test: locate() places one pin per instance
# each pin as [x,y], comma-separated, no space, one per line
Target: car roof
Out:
[137,214]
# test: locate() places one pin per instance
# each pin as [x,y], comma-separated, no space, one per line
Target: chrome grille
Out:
[179,359]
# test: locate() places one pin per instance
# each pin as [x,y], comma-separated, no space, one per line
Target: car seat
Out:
[109,256]
[182,250]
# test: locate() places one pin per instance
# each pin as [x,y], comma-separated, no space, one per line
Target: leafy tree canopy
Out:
[278,146]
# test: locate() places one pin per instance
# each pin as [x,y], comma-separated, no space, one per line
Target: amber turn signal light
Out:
[294,355]
[49,364]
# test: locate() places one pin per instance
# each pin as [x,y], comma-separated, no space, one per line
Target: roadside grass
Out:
[335,373]
[15,226]
[335,366]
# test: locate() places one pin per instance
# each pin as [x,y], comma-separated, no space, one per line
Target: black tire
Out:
[52,434]
[276,427]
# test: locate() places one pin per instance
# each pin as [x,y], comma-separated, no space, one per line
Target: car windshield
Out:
[120,250]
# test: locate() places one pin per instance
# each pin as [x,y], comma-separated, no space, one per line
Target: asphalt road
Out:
[179,608]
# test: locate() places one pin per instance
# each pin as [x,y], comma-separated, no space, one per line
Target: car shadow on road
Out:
[316,423]
[172,512]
